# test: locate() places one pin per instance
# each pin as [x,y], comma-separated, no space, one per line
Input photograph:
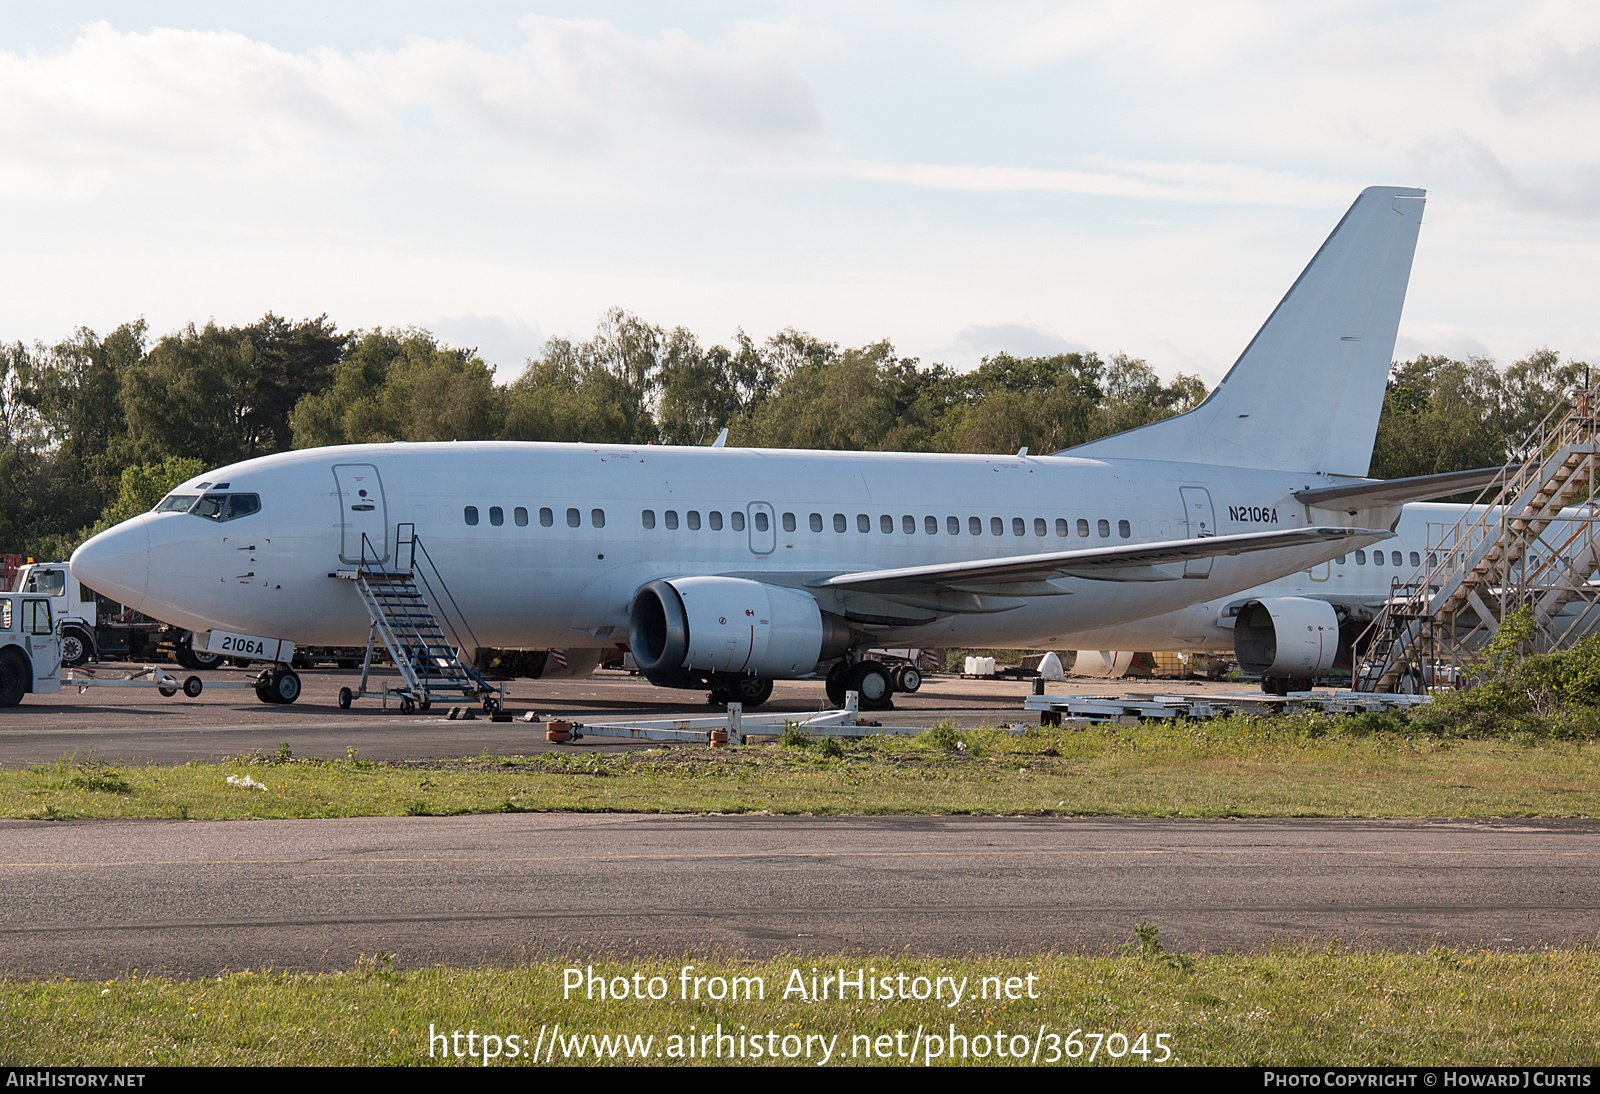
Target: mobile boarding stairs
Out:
[1529,545]
[402,598]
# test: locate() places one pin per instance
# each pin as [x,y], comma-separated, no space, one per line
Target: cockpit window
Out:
[220,507]
[176,503]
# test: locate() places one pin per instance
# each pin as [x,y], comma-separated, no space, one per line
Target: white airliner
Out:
[728,568]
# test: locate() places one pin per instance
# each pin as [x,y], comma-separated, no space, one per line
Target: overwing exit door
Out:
[361,512]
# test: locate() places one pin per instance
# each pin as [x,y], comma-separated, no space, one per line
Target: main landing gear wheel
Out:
[871,680]
[835,684]
[346,697]
[907,678]
[191,658]
[752,691]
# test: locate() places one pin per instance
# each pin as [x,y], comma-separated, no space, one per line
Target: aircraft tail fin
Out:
[1306,393]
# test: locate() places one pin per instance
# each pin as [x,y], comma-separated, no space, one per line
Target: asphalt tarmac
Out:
[140,726]
[197,898]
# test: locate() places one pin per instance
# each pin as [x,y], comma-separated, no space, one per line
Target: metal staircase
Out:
[400,601]
[1522,545]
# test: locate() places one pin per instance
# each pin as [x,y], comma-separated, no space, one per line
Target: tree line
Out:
[95,429]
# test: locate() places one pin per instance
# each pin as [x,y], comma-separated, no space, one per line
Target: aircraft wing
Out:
[1034,575]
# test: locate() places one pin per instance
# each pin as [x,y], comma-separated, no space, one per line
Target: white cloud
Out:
[176,99]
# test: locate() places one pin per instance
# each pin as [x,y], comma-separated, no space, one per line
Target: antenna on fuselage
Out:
[722,438]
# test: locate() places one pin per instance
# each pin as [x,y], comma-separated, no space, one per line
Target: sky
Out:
[957,178]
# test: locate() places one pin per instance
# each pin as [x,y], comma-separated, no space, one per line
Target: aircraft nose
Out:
[116,563]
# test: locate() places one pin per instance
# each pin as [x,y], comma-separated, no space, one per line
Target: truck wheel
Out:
[13,678]
[76,647]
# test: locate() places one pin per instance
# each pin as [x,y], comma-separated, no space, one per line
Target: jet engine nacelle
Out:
[1286,636]
[1109,663]
[732,625]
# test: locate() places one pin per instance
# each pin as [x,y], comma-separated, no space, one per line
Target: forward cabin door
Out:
[1199,519]
[361,512]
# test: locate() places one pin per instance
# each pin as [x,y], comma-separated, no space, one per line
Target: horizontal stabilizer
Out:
[1028,575]
[1365,495]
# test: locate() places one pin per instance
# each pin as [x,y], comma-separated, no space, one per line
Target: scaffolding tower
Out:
[1527,543]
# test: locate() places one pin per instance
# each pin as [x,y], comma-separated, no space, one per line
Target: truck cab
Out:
[73,605]
[30,648]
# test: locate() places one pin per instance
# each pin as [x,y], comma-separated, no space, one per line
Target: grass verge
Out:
[1285,1007]
[1310,767]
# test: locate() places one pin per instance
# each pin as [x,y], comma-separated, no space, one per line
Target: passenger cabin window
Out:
[574,518]
[1039,526]
[863,522]
[816,522]
[1104,528]
[671,521]
[908,524]
[886,524]
[1018,527]
[1433,560]
[1361,558]
[1083,527]
[762,522]
[997,527]
[716,521]
[788,522]
[497,515]
[930,525]
[952,525]
[840,524]
[597,517]
[1061,526]
[546,517]
[975,526]
[470,514]
[1124,529]
[736,521]
[520,515]
[648,518]
[1340,559]
[692,519]
[1416,559]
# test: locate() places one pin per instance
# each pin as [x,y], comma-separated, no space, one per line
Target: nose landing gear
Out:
[278,684]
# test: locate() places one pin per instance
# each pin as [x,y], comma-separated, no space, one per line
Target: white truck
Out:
[92,630]
[30,648]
